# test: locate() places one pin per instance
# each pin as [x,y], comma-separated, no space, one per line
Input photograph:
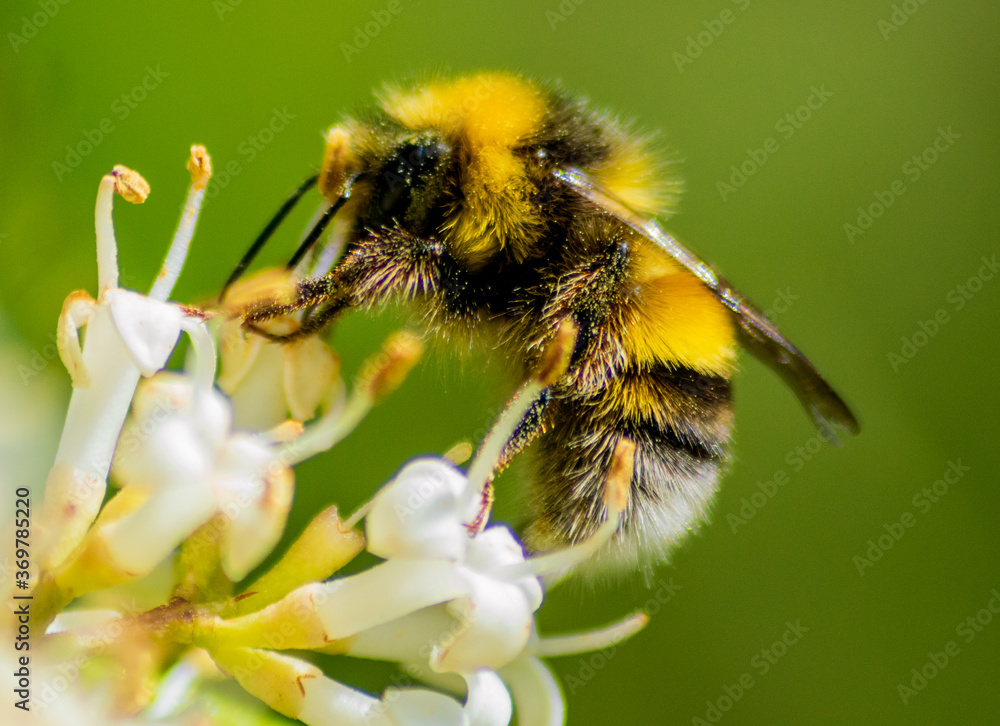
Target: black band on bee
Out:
[591,310]
[406,173]
[571,135]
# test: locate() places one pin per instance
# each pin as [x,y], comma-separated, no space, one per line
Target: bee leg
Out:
[318,320]
[531,426]
[310,292]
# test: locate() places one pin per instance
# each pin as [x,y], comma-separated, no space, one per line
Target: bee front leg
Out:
[321,319]
[309,293]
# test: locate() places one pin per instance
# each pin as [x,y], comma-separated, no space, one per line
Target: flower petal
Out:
[141,540]
[310,369]
[171,454]
[326,701]
[488,702]
[416,515]
[405,639]
[255,530]
[72,500]
[420,707]
[259,398]
[536,693]
[237,351]
[496,548]
[385,592]
[149,328]
[494,624]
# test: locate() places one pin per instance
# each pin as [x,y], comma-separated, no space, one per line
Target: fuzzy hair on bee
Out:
[499,209]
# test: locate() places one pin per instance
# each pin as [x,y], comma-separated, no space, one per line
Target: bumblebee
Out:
[500,208]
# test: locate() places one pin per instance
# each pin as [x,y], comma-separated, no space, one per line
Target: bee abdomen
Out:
[680,421]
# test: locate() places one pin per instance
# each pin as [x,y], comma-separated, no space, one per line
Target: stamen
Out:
[380,375]
[315,233]
[107,246]
[332,427]
[331,251]
[459,453]
[385,372]
[553,365]
[130,184]
[482,467]
[200,166]
[77,311]
[359,514]
[605,637]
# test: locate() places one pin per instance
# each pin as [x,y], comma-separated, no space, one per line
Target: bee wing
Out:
[758,334]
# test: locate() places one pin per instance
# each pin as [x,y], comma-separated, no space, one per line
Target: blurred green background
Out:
[895,79]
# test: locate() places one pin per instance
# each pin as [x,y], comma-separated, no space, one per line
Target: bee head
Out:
[397,182]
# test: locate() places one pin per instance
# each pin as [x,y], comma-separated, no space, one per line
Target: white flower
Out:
[128,335]
[300,690]
[449,600]
[56,700]
[423,517]
[181,451]
[453,601]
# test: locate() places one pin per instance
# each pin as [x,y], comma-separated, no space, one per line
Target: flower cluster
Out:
[205,481]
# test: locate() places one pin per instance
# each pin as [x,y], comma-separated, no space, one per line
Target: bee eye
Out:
[407,171]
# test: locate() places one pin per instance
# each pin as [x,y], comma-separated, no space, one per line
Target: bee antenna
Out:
[315,232]
[266,233]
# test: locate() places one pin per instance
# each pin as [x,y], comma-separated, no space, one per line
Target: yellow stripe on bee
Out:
[491,109]
[648,397]
[486,115]
[675,319]
[633,175]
